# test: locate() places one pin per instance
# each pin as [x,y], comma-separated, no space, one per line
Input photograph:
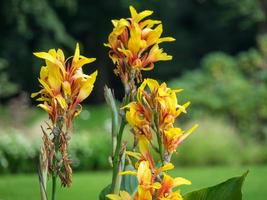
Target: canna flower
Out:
[64,85]
[151,185]
[146,181]
[168,183]
[139,118]
[172,137]
[134,44]
[155,110]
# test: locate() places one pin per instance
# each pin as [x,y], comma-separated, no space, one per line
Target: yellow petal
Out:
[87,87]
[76,53]
[133,11]
[125,195]
[61,55]
[187,133]
[50,58]
[135,42]
[139,16]
[166,39]
[156,185]
[166,167]
[46,87]
[61,101]
[143,144]
[45,107]
[66,88]
[114,22]
[34,94]
[84,61]
[157,54]
[192,129]
[54,79]
[154,35]
[134,154]
[128,173]
[181,181]
[152,84]
[43,72]
[149,23]
[113,197]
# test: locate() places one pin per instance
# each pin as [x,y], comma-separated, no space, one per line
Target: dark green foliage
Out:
[7,88]
[230,190]
[231,87]
[34,25]
[17,154]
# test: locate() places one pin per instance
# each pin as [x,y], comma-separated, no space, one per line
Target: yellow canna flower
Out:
[146,181]
[134,44]
[151,185]
[172,137]
[139,118]
[168,183]
[64,85]
[156,105]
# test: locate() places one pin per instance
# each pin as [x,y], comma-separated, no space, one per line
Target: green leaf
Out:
[230,190]
[104,192]
[129,182]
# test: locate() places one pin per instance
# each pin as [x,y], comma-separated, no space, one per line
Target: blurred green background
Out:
[219,59]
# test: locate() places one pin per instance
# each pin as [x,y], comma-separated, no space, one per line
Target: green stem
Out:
[159,138]
[116,162]
[54,183]
[160,147]
[56,132]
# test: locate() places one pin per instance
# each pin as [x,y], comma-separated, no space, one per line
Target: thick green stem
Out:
[116,160]
[54,184]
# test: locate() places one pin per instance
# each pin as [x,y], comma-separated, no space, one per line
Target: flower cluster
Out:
[150,185]
[151,110]
[154,113]
[134,45]
[63,87]
[155,110]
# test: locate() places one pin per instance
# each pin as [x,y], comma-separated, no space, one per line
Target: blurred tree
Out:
[6,87]
[200,26]
[232,87]
[28,26]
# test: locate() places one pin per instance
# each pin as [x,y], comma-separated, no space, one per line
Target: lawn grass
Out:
[87,185]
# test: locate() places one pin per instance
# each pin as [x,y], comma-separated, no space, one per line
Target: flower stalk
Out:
[63,87]
[117,160]
[150,110]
